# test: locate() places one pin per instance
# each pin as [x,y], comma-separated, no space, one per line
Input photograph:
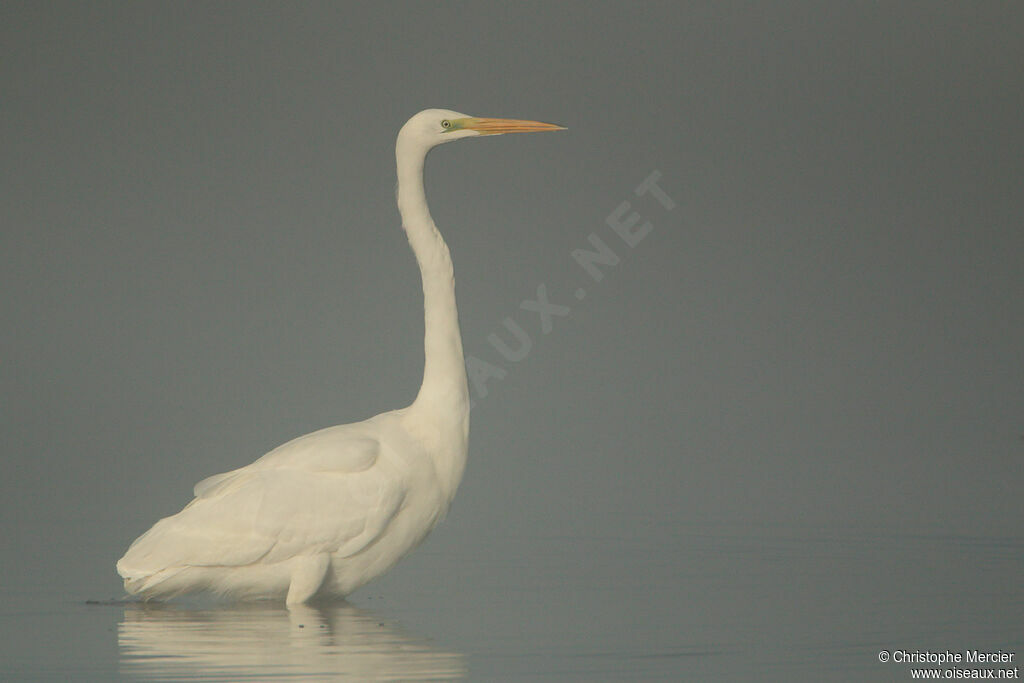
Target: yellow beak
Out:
[500,126]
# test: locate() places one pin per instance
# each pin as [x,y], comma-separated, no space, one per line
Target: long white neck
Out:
[443,399]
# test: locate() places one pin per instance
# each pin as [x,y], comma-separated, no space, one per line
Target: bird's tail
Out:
[147,584]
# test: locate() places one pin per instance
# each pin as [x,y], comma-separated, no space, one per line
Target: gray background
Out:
[202,259]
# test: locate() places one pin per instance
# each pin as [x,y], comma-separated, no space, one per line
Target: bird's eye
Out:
[446,123]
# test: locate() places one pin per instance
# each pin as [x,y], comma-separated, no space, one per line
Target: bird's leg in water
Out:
[308,574]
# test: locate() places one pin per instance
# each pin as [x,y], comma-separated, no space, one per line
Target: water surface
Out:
[720,603]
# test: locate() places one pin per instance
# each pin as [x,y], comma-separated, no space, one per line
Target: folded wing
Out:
[325,492]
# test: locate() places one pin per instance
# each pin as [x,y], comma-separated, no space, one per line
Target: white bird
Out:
[325,513]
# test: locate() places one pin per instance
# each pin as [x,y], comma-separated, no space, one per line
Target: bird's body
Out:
[326,512]
[308,517]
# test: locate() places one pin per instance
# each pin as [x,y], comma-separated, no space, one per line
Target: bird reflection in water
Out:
[267,641]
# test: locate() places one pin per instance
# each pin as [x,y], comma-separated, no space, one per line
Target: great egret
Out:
[327,512]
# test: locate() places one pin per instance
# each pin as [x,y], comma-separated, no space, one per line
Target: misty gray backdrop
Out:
[202,259]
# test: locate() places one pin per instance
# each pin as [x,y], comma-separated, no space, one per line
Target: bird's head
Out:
[433,127]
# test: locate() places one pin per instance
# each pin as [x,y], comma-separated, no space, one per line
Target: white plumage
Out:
[327,512]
